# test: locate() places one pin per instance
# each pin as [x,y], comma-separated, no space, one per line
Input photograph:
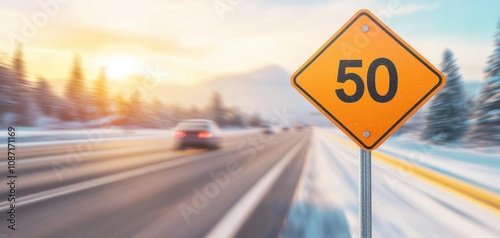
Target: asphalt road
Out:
[141,187]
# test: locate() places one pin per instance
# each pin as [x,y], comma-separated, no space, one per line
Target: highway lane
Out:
[67,162]
[141,187]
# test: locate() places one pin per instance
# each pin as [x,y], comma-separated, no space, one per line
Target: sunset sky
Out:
[195,40]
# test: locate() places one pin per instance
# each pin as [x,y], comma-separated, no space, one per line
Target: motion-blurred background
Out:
[96,88]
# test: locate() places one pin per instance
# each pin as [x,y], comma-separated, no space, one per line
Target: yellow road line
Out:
[481,196]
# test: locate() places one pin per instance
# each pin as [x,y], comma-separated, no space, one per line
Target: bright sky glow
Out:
[197,40]
[121,66]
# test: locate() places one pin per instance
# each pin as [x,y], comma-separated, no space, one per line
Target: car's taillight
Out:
[204,134]
[179,134]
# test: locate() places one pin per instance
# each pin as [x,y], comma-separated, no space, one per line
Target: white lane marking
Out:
[231,223]
[56,192]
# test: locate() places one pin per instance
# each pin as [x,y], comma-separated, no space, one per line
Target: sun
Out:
[121,66]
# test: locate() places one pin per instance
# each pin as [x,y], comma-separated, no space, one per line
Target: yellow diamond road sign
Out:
[367,80]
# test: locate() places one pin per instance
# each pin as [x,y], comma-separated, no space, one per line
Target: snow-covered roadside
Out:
[325,203]
[478,167]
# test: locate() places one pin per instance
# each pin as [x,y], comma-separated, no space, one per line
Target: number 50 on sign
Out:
[367,80]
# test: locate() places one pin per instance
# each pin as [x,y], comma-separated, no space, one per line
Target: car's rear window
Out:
[192,126]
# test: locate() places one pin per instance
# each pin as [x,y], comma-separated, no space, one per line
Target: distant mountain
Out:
[266,91]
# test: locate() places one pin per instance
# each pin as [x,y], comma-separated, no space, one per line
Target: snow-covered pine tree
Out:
[447,116]
[46,99]
[158,113]
[485,123]
[5,93]
[75,93]
[217,109]
[136,113]
[100,93]
[21,97]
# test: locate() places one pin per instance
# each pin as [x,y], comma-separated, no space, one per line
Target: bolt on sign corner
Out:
[367,80]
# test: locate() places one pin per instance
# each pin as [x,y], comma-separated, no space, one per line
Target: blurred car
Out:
[197,133]
[267,129]
[299,127]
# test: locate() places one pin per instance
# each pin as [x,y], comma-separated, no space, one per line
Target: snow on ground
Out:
[467,164]
[477,166]
[325,203]
[319,210]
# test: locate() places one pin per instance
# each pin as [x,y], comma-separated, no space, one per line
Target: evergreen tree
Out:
[100,92]
[447,116]
[217,109]
[235,117]
[18,63]
[157,114]
[21,91]
[194,112]
[136,112]
[492,69]
[486,115]
[121,105]
[239,121]
[255,120]
[76,108]
[45,97]
[5,93]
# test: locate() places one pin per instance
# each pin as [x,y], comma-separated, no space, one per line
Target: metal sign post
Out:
[365,194]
